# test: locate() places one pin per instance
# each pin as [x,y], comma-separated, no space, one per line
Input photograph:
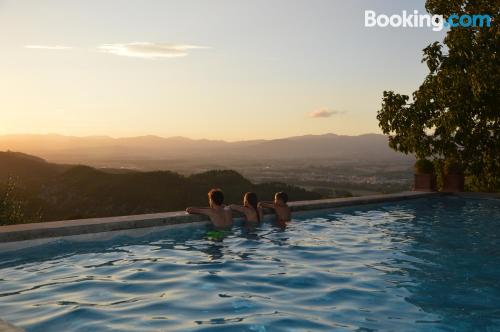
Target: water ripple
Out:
[423,265]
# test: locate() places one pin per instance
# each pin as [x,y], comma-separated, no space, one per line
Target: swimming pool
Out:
[418,265]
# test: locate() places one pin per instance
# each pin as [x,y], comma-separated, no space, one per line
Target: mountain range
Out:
[368,147]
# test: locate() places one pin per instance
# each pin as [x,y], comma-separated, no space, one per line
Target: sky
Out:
[216,69]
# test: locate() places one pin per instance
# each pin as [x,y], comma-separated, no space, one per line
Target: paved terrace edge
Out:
[23,232]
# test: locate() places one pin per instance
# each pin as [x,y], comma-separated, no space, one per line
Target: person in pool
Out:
[249,208]
[279,206]
[219,214]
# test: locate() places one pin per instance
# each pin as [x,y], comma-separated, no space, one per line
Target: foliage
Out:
[11,207]
[424,166]
[87,192]
[73,192]
[455,112]
[452,166]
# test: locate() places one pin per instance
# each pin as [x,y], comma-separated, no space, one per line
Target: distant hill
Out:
[69,192]
[27,167]
[369,147]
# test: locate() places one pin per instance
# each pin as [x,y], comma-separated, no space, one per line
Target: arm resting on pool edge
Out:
[238,208]
[196,210]
[266,205]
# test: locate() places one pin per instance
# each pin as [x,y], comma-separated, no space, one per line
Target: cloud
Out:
[323,113]
[149,50]
[49,47]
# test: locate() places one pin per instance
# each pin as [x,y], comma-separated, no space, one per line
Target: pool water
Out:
[417,265]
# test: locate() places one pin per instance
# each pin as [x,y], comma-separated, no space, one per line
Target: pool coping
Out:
[63,228]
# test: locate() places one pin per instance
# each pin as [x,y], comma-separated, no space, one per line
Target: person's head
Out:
[281,198]
[250,200]
[215,197]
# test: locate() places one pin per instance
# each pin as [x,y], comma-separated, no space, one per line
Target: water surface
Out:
[420,265]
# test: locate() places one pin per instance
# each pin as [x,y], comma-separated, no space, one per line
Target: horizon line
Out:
[183,137]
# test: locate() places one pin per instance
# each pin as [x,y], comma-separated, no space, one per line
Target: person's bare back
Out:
[282,212]
[249,208]
[221,216]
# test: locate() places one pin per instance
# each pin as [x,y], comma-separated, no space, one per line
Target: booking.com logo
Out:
[416,20]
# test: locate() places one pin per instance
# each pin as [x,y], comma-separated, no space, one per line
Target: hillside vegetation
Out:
[51,191]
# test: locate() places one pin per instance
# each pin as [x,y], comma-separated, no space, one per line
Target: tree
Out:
[455,113]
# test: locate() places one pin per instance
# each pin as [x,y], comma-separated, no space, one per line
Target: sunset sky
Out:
[227,70]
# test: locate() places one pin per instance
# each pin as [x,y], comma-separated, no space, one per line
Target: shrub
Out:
[424,166]
[11,207]
[452,166]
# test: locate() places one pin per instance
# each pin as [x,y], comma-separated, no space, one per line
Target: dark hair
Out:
[217,196]
[282,196]
[253,201]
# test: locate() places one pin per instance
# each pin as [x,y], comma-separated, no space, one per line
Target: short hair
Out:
[282,196]
[217,196]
